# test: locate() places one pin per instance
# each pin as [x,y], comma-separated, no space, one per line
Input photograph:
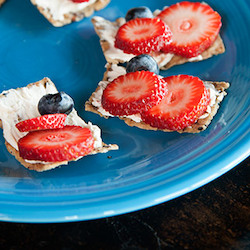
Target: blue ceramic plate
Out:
[150,167]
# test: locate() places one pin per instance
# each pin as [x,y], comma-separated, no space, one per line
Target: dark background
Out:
[215,216]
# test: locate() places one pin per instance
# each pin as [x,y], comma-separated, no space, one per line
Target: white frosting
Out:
[58,8]
[119,70]
[21,104]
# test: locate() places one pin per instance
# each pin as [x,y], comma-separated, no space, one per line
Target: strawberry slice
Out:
[195,26]
[187,99]
[79,1]
[56,145]
[133,92]
[142,36]
[42,122]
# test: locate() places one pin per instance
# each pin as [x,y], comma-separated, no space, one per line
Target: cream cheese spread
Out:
[116,71]
[59,8]
[214,95]
[21,104]
[108,32]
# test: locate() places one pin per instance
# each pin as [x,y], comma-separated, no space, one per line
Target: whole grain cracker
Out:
[40,166]
[199,126]
[71,17]
[1,2]
[101,24]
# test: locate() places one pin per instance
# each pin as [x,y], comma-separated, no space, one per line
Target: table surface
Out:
[215,216]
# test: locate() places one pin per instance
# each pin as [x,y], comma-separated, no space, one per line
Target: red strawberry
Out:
[185,102]
[42,122]
[195,27]
[142,36]
[55,145]
[133,92]
[79,1]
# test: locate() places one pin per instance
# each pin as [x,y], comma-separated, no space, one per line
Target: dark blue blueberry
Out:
[139,12]
[55,103]
[142,62]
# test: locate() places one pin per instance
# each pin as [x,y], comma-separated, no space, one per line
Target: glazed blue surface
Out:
[150,167]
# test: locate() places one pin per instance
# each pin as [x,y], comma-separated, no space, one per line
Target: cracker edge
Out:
[199,126]
[72,17]
[216,48]
[1,2]
[40,167]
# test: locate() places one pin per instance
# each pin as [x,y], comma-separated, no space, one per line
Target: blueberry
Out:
[142,62]
[139,12]
[55,103]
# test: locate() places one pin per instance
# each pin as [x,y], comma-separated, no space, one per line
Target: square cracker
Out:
[44,83]
[1,2]
[199,126]
[70,16]
[107,30]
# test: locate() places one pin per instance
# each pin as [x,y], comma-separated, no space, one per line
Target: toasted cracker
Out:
[72,17]
[1,2]
[40,166]
[216,49]
[199,126]
[101,25]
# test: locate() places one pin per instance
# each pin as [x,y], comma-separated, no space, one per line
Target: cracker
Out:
[1,2]
[107,30]
[47,86]
[199,126]
[71,16]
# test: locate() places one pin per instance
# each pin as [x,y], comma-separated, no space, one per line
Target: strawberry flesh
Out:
[133,93]
[42,122]
[56,145]
[142,36]
[187,99]
[195,26]
[79,1]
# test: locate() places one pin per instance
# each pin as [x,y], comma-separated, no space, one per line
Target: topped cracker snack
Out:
[183,32]
[142,98]
[62,12]
[42,129]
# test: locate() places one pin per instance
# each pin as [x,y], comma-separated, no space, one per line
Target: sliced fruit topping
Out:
[55,103]
[42,122]
[138,12]
[56,145]
[142,36]
[79,1]
[187,99]
[142,62]
[195,27]
[133,93]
